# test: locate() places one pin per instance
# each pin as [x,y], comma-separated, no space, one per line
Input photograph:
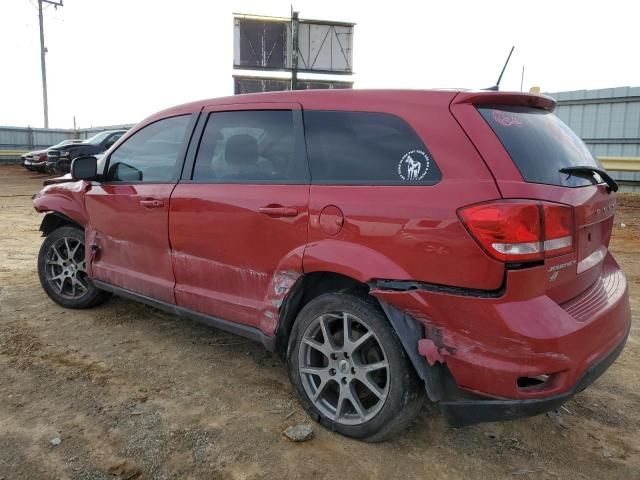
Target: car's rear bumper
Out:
[464,412]
[493,345]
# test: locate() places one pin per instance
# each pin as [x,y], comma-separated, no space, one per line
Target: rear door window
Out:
[250,146]
[366,148]
[540,144]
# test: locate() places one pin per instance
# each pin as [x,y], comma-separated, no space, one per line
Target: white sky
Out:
[117,61]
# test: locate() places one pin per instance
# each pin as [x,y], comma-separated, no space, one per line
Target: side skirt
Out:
[251,333]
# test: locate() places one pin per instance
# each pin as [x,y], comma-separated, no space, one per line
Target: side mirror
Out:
[84,168]
[124,173]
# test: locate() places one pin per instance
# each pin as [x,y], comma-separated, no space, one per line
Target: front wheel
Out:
[62,270]
[350,370]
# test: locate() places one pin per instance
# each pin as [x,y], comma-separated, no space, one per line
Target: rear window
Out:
[540,144]
[369,148]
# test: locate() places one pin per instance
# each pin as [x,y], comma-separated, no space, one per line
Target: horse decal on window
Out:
[413,166]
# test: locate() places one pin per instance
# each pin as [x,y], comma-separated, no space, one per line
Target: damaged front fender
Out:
[66,199]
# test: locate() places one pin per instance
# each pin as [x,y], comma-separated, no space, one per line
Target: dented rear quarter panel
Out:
[402,233]
[407,232]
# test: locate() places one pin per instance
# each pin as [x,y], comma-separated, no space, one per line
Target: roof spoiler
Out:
[487,97]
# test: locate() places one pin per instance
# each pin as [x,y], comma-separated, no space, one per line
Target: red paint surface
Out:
[226,254]
[212,249]
[132,238]
[66,198]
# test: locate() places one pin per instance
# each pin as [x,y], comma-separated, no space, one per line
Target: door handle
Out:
[151,203]
[279,211]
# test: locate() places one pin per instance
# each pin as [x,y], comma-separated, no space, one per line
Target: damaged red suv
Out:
[391,245]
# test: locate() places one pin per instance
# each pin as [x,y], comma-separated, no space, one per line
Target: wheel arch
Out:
[306,288]
[436,378]
[54,220]
[332,265]
[352,260]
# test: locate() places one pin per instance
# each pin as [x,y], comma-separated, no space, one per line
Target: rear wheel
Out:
[62,270]
[350,370]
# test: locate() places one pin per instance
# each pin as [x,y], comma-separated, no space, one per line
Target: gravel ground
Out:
[132,392]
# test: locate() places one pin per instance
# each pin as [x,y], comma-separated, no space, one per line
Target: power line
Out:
[43,63]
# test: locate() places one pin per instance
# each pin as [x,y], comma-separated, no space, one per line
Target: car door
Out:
[238,220]
[129,211]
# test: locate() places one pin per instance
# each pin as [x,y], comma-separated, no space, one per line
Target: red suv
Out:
[384,242]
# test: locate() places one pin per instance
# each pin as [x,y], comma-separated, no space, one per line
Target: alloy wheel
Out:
[344,368]
[66,268]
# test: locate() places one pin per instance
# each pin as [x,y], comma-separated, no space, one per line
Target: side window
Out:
[150,154]
[366,148]
[250,146]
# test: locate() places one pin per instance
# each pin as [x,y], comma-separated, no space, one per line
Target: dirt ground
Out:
[133,392]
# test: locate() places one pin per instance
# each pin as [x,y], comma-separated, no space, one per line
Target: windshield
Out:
[540,144]
[98,138]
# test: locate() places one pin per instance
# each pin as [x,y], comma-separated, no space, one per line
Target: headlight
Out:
[64,154]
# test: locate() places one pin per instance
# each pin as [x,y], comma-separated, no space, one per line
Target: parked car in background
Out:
[37,159]
[391,245]
[59,159]
[67,176]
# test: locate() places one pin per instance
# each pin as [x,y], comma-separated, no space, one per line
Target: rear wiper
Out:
[588,171]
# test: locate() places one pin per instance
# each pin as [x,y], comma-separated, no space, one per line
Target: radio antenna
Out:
[496,87]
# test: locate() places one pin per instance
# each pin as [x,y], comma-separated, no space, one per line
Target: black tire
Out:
[404,390]
[52,265]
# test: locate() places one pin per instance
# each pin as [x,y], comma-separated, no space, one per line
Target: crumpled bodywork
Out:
[281,284]
[66,198]
[489,343]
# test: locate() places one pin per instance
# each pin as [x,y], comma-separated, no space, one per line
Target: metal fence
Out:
[21,139]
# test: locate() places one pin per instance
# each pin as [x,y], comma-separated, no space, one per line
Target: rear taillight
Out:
[558,229]
[520,230]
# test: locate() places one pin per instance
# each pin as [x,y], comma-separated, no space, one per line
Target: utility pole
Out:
[43,63]
[294,50]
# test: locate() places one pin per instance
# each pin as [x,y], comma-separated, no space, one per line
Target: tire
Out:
[62,272]
[341,375]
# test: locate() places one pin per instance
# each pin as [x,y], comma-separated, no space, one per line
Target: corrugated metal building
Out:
[608,120]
